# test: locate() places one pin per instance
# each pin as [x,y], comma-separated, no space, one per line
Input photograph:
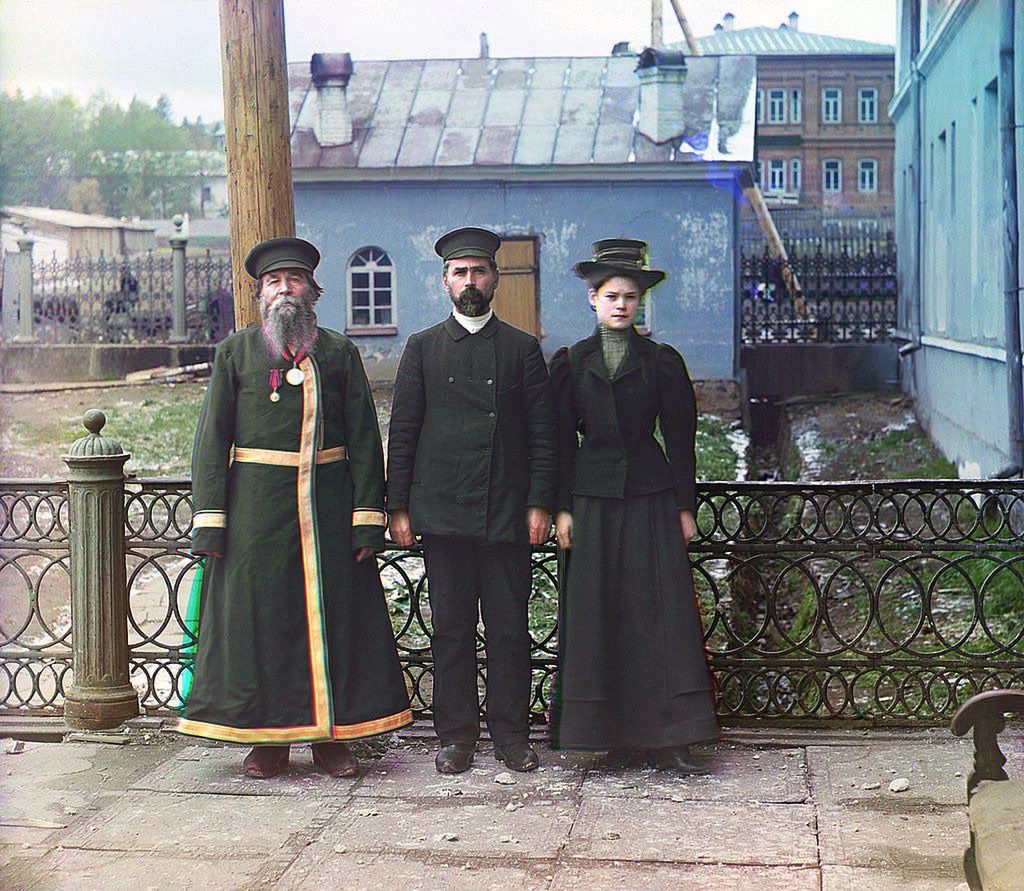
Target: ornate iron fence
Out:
[846,295]
[889,602]
[129,299]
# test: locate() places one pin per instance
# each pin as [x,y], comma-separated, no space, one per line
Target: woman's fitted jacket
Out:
[618,455]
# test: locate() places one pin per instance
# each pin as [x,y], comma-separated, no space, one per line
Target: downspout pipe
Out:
[1011,238]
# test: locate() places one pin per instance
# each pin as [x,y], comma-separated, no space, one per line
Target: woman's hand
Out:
[563,529]
[688,525]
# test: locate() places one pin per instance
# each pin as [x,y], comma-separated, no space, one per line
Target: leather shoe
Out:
[621,758]
[454,758]
[517,756]
[335,759]
[264,762]
[675,758]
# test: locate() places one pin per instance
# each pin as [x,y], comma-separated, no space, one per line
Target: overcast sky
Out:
[149,47]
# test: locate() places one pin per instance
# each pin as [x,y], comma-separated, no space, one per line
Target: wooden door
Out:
[516,300]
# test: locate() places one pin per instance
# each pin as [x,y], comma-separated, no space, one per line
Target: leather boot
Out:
[264,762]
[335,759]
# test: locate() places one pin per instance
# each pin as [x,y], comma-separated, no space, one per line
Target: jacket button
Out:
[490,414]
[451,380]
[489,381]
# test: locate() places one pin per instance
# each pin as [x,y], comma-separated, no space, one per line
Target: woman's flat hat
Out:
[619,256]
[468,241]
[281,253]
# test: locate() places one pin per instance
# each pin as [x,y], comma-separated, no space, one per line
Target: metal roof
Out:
[785,41]
[540,112]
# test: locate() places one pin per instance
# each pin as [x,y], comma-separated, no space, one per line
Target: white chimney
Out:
[662,74]
[331,73]
[727,21]
[794,20]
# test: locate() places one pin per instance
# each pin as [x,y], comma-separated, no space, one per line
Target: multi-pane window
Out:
[794,175]
[867,105]
[371,288]
[832,175]
[760,106]
[831,105]
[776,106]
[795,107]
[867,175]
[776,175]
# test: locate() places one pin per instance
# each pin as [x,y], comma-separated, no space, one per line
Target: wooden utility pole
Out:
[255,78]
[657,30]
[753,191]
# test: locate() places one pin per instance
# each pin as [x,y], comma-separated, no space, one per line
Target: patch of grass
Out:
[158,432]
[716,459]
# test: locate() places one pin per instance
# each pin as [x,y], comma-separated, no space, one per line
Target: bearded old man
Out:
[471,467]
[295,643]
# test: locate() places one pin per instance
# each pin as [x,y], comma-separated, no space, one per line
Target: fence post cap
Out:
[94,445]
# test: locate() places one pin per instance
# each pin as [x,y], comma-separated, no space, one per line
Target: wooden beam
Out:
[257,132]
[657,29]
[691,41]
[753,192]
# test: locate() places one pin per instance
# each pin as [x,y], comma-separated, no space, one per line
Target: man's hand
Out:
[688,525]
[401,529]
[563,529]
[538,521]
[362,553]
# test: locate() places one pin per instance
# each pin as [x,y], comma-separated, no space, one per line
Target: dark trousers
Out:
[461,574]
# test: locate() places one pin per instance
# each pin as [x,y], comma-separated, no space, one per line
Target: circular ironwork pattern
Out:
[888,601]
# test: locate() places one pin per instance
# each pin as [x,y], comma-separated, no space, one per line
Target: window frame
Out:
[776,99]
[776,165]
[759,106]
[760,174]
[861,91]
[873,162]
[372,327]
[839,175]
[796,103]
[825,102]
[795,175]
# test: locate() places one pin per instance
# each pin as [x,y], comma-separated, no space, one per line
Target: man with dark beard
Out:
[295,643]
[471,466]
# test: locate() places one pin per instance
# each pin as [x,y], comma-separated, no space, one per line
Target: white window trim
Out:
[796,104]
[760,175]
[839,105]
[795,175]
[874,176]
[781,95]
[760,106]
[860,105]
[350,324]
[776,164]
[839,171]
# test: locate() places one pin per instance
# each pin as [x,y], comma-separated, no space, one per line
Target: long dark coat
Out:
[632,670]
[472,437]
[295,641]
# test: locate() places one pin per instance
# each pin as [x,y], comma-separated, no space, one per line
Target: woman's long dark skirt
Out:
[632,669]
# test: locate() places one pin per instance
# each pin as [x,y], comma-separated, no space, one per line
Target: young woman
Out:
[633,680]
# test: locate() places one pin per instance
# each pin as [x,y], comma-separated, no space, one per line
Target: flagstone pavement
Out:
[788,810]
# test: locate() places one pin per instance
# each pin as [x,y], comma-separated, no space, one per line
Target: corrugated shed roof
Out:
[764,41]
[525,112]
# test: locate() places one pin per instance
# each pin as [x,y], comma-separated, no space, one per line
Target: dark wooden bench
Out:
[995,859]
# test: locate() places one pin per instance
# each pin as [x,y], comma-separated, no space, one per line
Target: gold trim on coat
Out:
[366,516]
[288,459]
[210,519]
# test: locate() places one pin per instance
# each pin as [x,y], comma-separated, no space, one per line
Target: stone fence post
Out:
[23,288]
[178,242]
[101,696]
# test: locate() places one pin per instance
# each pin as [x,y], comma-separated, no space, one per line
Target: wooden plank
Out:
[256,128]
[515,301]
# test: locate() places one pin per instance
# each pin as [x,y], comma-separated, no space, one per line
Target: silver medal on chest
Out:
[275,396]
[295,376]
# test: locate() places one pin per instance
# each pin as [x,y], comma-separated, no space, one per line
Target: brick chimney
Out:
[794,21]
[662,74]
[331,73]
[728,20]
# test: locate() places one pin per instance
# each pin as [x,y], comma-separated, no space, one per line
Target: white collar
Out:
[472,323]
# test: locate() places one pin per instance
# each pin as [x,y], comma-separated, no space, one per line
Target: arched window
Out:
[371,289]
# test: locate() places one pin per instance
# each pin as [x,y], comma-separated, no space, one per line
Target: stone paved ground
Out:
[782,810]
